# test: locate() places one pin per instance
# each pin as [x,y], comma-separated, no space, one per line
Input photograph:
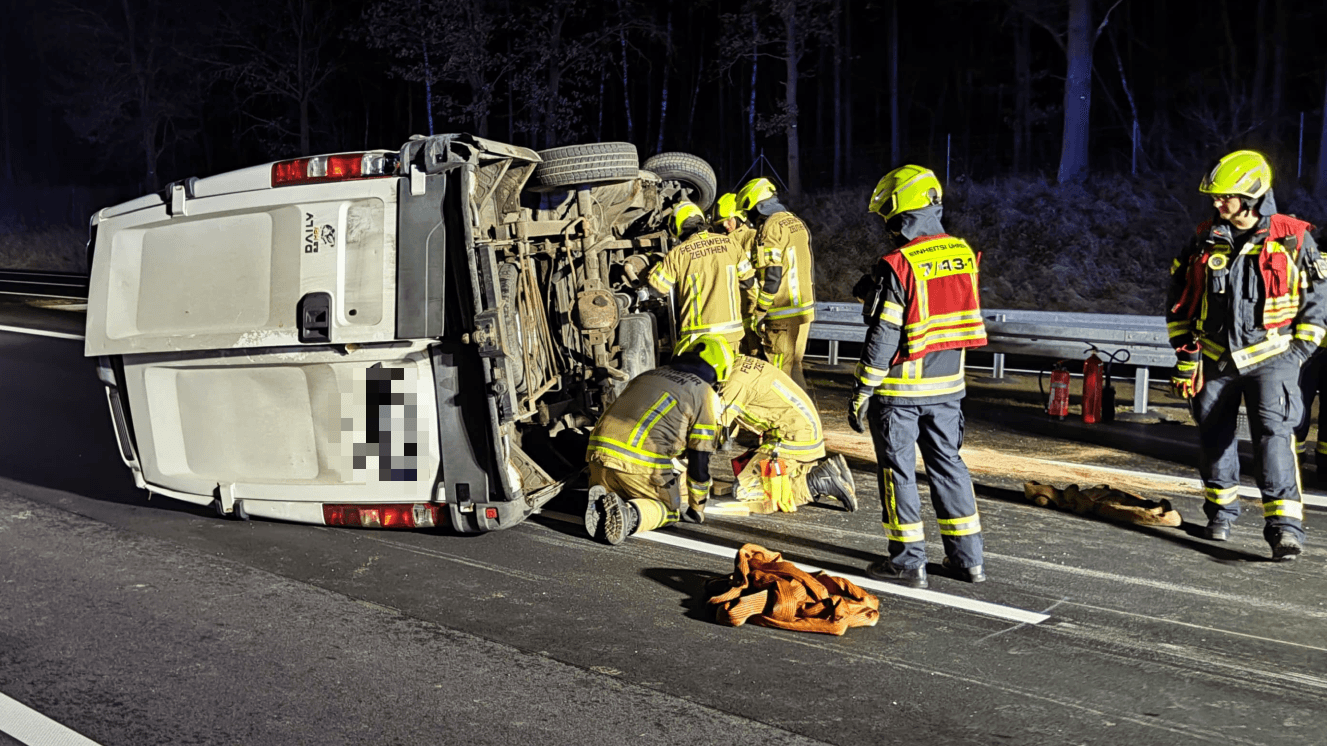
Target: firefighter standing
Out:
[732,221]
[785,305]
[1313,385]
[766,400]
[922,310]
[711,273]
[660,415]
[1245,309]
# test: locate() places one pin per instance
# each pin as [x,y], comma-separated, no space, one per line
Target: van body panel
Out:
[292,424]
[231,272]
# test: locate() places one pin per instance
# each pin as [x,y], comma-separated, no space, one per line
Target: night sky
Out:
[119,97]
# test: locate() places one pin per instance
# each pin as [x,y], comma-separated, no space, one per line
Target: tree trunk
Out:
[755,64]
[1320,184]
[1022,93]
[790,99]
[894,146]
[6,135]
[1077,94]
[599,127]
[695,99]
[1260,62]
[304,145]
[663,97]
[838,96]
[626,77]
[847,94]
[1278,67]
[554,81]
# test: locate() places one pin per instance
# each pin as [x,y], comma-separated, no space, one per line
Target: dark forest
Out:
[101,100]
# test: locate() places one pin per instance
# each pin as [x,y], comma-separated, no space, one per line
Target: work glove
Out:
[755,322]
[861,399]
[1187,379]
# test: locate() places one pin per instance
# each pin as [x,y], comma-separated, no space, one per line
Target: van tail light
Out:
[343,167]
[419,515]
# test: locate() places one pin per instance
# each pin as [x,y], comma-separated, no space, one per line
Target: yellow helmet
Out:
[715,351]
[1243,172]
[726,207]
[681,214]
[754,192]
[905,188]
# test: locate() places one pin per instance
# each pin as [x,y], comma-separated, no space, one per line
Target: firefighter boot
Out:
[832,478]
[620,518]
[594,516]
[886,570]
[1217,530]
[1286,547]
[974,574]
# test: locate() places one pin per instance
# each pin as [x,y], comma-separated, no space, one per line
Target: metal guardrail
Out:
[44,284]
[1046,334]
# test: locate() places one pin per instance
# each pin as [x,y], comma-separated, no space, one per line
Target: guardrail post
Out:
[833,352]
[997,365]
[1140,390]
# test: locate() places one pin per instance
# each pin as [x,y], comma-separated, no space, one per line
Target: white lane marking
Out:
[1250,601]
[944,599]
[35,729]
[1003,684]
[1317,501]
[39,332]
[1259,637]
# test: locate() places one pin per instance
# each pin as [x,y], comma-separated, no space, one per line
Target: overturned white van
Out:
[385,339]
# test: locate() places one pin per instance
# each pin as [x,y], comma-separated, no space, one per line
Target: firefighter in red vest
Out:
[1246,307]
[922,310]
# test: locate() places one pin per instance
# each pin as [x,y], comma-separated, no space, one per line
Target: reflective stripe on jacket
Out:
[785,267]
[1252,302]
[764,398]
[660,414]
[709,272]
[929,312]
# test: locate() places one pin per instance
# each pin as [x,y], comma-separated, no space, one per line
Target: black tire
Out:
[691,172]
[587,164]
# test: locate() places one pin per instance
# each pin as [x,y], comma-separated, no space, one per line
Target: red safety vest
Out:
[1273,265]
[939,276]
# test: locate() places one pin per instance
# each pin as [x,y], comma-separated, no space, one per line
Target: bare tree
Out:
[1077,39]
[120,79]
[450,44]
[280,55]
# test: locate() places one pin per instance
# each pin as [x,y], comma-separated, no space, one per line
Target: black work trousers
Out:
[898,429]
[1273,402]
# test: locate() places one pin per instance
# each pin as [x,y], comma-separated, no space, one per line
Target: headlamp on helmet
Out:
[754,192]
[905,188]
[716,353]
[1243,172]
[681,214]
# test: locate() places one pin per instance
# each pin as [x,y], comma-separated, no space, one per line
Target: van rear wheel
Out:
[587,164]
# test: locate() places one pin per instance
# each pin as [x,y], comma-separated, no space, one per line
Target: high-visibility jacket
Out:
[710,272]
[785,268]
[1252,302]
[745,236]
[659,415]
[926,312]
[767,400]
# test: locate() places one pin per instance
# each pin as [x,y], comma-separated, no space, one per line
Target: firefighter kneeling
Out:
[766,400]
[665,413]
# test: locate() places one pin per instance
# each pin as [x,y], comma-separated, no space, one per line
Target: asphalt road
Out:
[142,622]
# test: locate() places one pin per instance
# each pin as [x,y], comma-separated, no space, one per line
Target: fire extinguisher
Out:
[1057,405]
[1093,383]
[1108,393]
